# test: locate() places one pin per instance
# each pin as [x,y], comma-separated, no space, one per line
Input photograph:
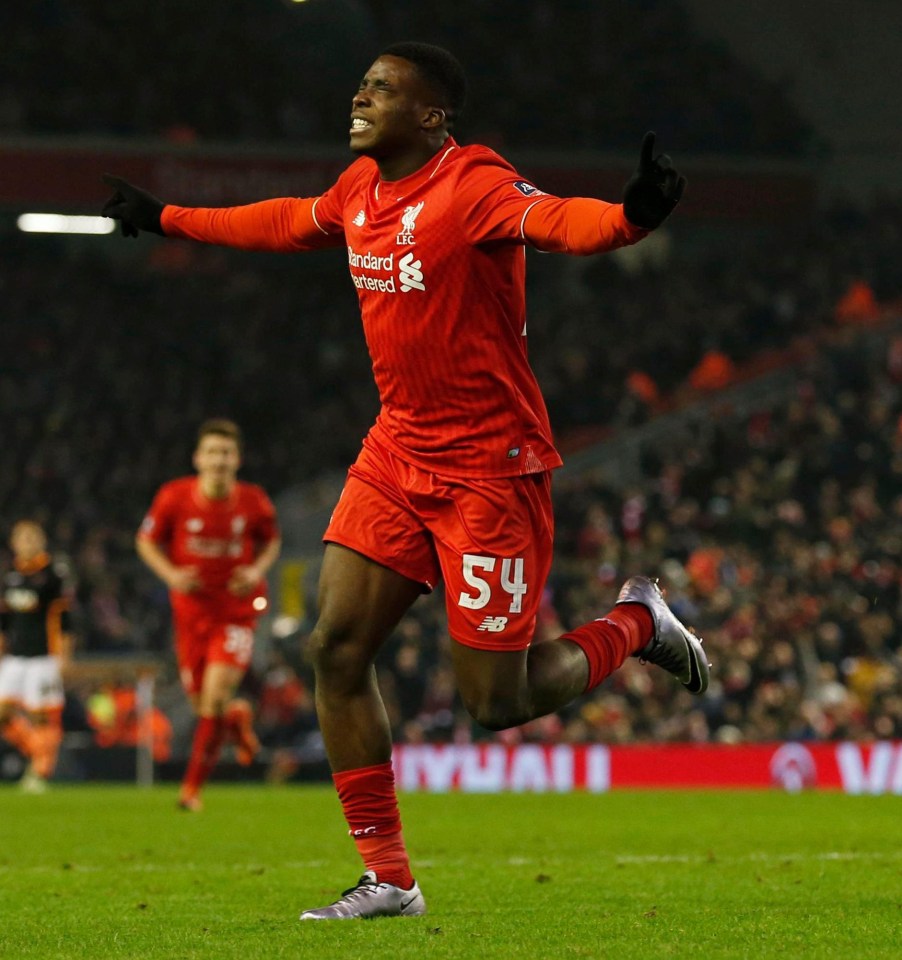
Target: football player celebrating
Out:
[212,538]
[453,480]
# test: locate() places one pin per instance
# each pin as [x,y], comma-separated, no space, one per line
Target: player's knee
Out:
[213,706]
[493,714]
[335,652]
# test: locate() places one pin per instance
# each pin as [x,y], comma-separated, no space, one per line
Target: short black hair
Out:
[440,69]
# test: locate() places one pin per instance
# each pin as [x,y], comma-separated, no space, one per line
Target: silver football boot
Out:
[673,647]
[371,899]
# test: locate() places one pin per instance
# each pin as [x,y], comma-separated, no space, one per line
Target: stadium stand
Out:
[584,87]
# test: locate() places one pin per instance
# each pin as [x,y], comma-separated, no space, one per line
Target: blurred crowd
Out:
[779,538]
[564,72]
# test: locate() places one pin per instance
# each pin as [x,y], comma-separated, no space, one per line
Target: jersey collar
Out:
[398,189]
[202,500]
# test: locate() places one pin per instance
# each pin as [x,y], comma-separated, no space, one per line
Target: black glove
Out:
[135,209]
[653,190]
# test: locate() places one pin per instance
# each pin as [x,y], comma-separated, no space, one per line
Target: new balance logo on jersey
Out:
[408,224]
[410,274]
[359,220]
[493,624]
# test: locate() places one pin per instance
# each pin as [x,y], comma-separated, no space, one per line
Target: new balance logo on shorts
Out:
[493,624]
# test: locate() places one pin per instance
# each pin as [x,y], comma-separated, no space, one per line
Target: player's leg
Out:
[14,726]
[507,688]
[197,648]
[234,646]
[377,561]
[219,682]
[495,551]
[360,602]
[191,642]
[239,720]
[47,735]
[43,700]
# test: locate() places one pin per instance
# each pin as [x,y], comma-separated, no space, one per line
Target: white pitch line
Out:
[622,859]
[715,857]
[127,867]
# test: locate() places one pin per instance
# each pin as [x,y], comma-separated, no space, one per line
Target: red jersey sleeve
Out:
[284,225]
[495,203]
[159,521]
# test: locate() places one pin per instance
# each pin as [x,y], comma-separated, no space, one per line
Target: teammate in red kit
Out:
[453,480]
[212,539]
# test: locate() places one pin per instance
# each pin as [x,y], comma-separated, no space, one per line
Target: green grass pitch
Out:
[112,872]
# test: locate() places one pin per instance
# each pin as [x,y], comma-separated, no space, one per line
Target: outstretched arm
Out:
[279,226]
[582,225]
[578,225]
[282,225]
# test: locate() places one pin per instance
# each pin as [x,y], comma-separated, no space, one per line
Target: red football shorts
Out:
[200,641]
[490,540]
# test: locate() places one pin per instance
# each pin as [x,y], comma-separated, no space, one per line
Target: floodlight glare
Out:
[62,223]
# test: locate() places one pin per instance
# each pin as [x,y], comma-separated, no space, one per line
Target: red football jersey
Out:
[215,536]
[438,262]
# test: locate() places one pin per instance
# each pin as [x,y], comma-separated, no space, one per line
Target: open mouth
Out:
[358,124]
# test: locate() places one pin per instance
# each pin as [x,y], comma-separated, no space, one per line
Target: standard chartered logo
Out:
[409,276]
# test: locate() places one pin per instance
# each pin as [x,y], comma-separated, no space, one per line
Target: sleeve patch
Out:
[528,190]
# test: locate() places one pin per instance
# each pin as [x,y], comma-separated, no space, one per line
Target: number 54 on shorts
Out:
[510,581]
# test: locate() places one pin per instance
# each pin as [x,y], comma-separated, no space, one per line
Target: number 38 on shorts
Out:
[239,643]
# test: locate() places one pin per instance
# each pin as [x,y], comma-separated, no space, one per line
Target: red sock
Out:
[370,806]
[208,737]
[609,641]
[239,729]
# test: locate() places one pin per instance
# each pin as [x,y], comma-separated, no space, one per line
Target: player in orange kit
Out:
[212,539]
[453,480]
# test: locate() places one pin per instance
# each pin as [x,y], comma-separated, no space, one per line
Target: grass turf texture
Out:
[113,872]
